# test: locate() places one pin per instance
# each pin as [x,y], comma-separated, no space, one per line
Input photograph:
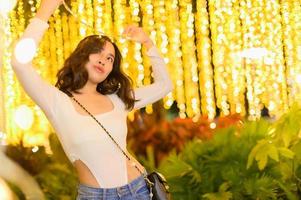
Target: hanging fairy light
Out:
[77,18]
[35,149]
[2,140]
[6,6]
[254,53]
[202,50]
[24,117]
[298,79]
[5,192]
[25,50]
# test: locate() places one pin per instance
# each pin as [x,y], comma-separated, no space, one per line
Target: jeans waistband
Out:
[129,188]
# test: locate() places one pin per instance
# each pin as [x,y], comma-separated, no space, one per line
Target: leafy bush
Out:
[223,167]
[151,133]
[54,173]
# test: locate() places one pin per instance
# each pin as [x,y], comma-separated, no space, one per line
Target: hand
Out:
[137,34]
[51,3]
[47,8]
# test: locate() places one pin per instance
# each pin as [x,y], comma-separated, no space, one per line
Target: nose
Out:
[101,63]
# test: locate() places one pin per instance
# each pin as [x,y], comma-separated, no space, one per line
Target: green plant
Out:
[221,168]
[54,173]
[57,182]
[151,131]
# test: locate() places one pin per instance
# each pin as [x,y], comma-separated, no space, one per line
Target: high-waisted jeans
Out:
[135,190]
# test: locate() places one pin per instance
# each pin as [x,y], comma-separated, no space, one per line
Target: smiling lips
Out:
[99,69]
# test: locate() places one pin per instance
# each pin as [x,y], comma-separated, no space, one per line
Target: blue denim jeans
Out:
[135,190]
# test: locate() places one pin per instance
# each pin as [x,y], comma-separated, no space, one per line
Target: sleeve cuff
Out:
[153,51]
[38,22]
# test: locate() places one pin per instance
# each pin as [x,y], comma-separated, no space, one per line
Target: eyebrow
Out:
[111,55]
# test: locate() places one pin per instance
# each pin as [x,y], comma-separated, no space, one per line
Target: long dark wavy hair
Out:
[74,76]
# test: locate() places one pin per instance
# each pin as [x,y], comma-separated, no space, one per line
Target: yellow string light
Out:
[98,7]
[120,14]
[148,26]
[2,110]
[65,37]
[160,21]
[291,25]
[108,22]
[274,61]
[204,60]
[136,63]
[208,70]
[89,14]
[73,27]
[175,55]
[13,92]
[189,59]
[5,33]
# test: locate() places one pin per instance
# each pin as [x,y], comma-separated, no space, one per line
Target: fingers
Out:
[130,31]
[135,33]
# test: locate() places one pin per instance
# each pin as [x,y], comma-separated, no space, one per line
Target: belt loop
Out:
[131,188]
[104,191]
[118,192]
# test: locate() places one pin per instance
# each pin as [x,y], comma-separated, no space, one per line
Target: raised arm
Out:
[42,93]
[162,83]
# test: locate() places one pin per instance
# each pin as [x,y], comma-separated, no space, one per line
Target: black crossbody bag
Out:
[156,183]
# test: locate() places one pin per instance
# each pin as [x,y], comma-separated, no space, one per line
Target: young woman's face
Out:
[100,64]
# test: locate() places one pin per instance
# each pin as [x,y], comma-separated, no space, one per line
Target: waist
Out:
[129,189]
[107,177]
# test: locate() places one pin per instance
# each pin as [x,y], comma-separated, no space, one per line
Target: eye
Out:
[111,59]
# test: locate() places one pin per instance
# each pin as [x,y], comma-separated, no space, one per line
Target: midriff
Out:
[86,177]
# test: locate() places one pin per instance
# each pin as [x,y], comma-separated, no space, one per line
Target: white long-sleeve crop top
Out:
[81,137]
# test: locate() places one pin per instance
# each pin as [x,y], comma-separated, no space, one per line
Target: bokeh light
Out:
[24,117]
[25,50]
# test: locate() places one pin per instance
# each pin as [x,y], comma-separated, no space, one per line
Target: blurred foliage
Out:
[17,192]
[148,133]
[234,160]
[223,167]
[54,173]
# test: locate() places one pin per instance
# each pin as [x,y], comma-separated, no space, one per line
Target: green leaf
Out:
[286,139]
[254,152]
[286,170]
[273,152]
[176,167]
[250,159]
[262,162]
[218,196]
[196,176]
[224,187]
[259,187]
[222,193]
[286,152]
[289,194]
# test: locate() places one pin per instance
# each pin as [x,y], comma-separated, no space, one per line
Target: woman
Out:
[92,75]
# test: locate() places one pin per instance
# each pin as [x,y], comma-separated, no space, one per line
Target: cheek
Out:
[110,69]
[89,68]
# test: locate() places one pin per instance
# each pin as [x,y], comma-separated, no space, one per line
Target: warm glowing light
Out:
[216,53]
[35,149]
[25,50]
[24,117]
[298,79]
[212,125]
[1,135]
[254,53]
[299,52]
[5,192]
[6,6]
[2,139]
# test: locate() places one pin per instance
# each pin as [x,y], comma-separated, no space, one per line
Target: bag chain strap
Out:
[134,164]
